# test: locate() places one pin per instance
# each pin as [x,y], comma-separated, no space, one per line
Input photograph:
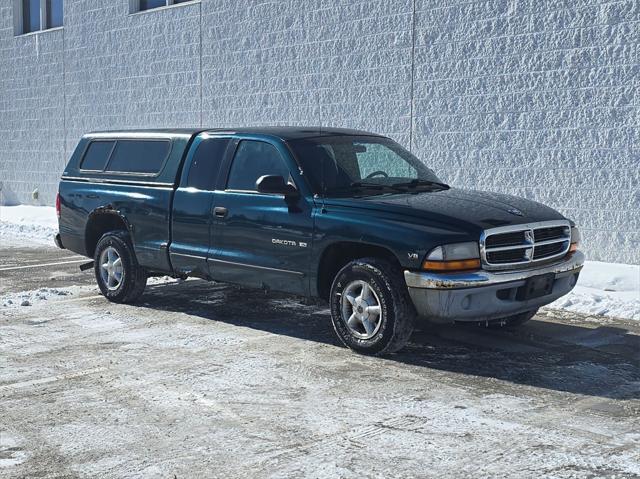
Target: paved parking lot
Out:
[207,380]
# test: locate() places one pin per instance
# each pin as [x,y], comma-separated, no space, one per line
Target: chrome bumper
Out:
[483,278]
[484,295]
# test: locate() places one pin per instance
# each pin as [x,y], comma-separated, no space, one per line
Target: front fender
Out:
[409,239]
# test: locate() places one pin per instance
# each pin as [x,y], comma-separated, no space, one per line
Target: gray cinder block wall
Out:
[530,97]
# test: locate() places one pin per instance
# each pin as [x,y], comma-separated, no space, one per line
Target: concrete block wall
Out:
[258,63]
[536,98]
[31,112]
[130,71]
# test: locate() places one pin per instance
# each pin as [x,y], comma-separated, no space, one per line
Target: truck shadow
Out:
[601,361]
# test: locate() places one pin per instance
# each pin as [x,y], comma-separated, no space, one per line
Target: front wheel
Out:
[370,307]
[120,278]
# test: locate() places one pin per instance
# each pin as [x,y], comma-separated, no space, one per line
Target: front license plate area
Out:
[536,287]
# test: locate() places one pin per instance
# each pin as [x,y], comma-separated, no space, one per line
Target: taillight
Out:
[58,205]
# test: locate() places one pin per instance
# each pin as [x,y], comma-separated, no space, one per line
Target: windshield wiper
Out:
[418,182]
[396,187]
[374,186]
[365,185]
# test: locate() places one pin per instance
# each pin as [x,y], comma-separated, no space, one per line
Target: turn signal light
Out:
[575,241]
[453,265]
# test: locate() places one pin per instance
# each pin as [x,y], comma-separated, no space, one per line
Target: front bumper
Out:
[486,295]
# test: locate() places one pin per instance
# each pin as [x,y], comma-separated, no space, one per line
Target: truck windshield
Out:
[361,165]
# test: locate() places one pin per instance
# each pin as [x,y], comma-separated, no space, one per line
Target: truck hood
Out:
[455,207]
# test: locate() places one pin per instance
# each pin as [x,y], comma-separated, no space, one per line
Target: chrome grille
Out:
[509,247]
[546,250]
[506,239]
[554,232]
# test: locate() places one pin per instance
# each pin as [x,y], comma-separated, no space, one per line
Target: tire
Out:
[368,332]
[127,280]
[510,322]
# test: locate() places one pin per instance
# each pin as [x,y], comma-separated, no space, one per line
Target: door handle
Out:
[220,211]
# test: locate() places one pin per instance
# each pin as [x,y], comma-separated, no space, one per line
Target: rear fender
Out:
[114,220]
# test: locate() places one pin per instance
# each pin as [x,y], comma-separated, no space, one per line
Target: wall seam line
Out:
[64,96]
[201,101]
[413,69]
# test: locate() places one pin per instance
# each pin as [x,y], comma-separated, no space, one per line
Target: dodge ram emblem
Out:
[515,211]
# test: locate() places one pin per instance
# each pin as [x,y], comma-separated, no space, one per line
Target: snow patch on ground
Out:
[31,298]
[604,289]
[39,297]
[27,226]
[11,452]
[156,280]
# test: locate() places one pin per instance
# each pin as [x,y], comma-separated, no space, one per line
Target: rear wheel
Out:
[370,307]
[120,278]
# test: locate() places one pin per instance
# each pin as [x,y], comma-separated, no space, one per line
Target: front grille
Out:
[547,250]
[524,245]
[506,239]
[501,257]
[545,234]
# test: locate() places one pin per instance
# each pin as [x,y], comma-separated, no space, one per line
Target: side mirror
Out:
[275,185]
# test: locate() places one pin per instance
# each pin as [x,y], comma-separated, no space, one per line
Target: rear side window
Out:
[206,163]
[97,155]
[254,159]
[139,156]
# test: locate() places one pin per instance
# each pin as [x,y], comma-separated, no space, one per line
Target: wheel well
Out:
[336,256]
[98,225]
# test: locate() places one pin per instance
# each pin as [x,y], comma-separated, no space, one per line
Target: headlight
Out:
[576,238]
[453,257]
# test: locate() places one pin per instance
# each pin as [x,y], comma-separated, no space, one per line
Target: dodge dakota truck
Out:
[343,215]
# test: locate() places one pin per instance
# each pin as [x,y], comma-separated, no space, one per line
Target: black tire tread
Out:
[404,311]
[136,281]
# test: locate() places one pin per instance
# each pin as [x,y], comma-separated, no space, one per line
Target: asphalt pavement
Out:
[208,380]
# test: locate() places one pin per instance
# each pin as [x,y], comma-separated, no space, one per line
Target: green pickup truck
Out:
[347,216]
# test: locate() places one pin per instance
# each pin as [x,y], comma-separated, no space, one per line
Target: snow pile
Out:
[27,225]
[30,298]
[159,280]
[605,289]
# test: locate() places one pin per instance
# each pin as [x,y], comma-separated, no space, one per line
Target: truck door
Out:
[192,219]
[261,240]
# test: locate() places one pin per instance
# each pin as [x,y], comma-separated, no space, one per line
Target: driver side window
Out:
[374,158]
[252,160]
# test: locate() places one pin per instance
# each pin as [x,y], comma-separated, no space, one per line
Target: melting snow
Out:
[27,226]
[605,289]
